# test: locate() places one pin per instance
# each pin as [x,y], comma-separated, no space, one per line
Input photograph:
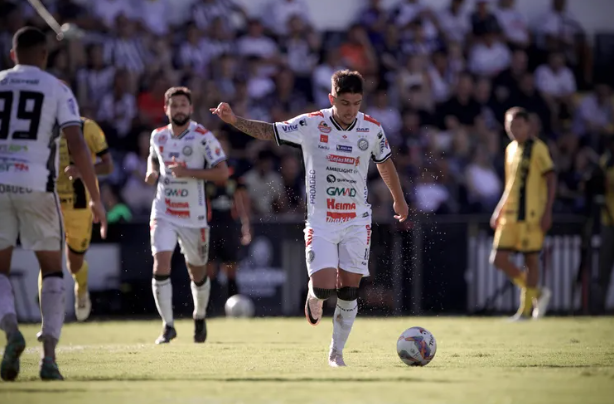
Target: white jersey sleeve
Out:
[291,132]
[381,151]
[212,150]
[68,109]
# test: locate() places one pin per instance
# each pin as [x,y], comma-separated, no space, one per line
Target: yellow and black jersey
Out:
[525,184]
[607,212]
[73,194]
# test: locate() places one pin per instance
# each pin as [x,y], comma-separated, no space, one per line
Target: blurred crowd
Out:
[439,81]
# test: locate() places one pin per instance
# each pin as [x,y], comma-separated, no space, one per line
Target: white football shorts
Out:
[346,248]
[194,242]
[33,216]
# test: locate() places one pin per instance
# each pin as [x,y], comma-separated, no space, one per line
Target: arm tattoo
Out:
[258,129]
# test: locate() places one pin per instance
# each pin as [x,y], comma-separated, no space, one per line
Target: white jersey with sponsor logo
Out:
[183,200]
[34,106]
[336,164]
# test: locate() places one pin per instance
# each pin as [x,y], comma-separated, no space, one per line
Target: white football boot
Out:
[543,300]
[335,359]
[83,305]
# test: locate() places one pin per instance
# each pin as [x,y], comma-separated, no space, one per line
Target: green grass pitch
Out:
[478,360]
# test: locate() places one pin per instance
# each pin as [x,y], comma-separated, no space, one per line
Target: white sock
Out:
[343,319]
[163,295]
[53,307]
[200,294]
[8,316]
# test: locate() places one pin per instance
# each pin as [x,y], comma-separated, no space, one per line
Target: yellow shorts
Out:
[522,237]
[78,229]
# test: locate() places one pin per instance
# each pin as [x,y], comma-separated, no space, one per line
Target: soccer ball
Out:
[239,306]
[416,346]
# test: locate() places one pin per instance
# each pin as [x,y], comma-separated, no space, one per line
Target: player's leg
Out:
[322,255]
[536,299]
[504,245]
[163,242]
[78,225]
[195,248]
[353,265]
[41,229]
[230,269]
[230,257]
[15,343]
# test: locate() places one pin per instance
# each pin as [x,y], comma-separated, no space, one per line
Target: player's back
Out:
[34,105]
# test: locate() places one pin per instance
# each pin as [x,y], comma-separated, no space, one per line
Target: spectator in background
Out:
[454,22]
[151,102]
[483,20]
[117,110]
[483,183]
[489,56]
[461,105]
[95,78]
[193,56]
[429,195]
[514,25]
[595,115]
[219,40]
[321,77]
[508,81]
[205,12]
[415,41]
[293,198]
[126,50]
[530,99]
[357,52]
[410,11]
[153,15]
[440,76]
[136,193]
[256,44]
[280,12]
[383,112]
[374,18]
[557,85]
[286,96]
[265,186]
[412,75]
[108,11]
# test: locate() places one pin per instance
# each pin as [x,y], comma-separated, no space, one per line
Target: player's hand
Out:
[225,113]
[72,172]
[151,178]
[546,221]
[178,169]
[494,220]
[246,236]
[100,216]
[401,209]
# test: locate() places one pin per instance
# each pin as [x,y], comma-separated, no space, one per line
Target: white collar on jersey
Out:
[190,127]
[26,67]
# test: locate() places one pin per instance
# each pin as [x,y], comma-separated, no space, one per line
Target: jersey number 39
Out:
[29,107]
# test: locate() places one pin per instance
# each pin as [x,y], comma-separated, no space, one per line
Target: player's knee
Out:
[323,294]
[347,293]
[75,262]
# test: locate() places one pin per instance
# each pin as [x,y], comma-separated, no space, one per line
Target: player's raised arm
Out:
[257,129]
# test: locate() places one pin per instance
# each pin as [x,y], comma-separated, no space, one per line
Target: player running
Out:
[524,213]
[228,202]
[183,157]
[74,200]
[337,144]
[34,107]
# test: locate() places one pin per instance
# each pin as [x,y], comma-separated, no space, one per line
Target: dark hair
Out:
[346,81]
[518,112]
[174,91]
[28,38]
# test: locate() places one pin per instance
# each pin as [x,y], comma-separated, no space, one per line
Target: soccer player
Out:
[183,157]
[74,201]
[524,213]
[34,107]
[337,144]
[227,202]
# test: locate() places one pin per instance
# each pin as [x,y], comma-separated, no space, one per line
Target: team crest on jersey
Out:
[162,139]
[187,151]
[363,144]
[323,127]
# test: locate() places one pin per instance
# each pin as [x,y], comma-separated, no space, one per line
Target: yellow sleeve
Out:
[542,156]
[94,137]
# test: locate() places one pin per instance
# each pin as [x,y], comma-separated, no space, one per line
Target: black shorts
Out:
[225,243]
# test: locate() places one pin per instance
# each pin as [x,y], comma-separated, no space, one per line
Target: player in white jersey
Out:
[34,106]
[337,144]
[183,156]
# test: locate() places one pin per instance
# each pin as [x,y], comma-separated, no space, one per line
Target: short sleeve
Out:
[291,132]
[544,161]
[152,148]
[212,150]
[94,136]
[380,151]
[68,109]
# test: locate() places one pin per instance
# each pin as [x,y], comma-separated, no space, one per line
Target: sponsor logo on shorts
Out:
[339,217]
[363,144]
[12,189]
[311,255]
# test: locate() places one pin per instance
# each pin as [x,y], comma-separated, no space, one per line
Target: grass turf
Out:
[479,360]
